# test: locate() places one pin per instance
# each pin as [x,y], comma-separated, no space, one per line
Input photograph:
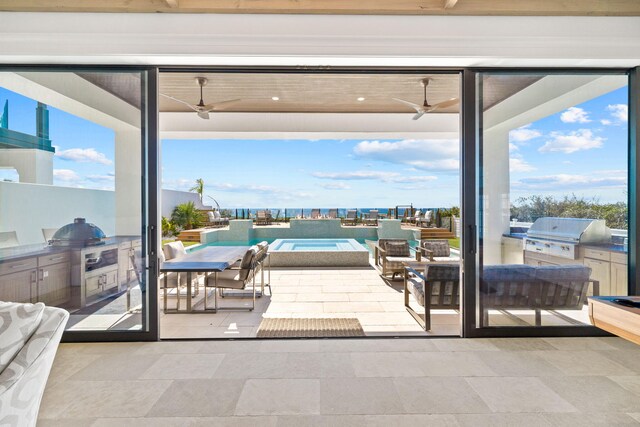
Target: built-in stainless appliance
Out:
[561,237]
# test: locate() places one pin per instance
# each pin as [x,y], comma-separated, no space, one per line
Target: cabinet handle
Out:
[34,276]
[40,274]
[58,258]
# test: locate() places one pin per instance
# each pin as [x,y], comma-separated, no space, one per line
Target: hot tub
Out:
[318,253]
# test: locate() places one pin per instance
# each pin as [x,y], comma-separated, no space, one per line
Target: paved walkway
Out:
[365,382]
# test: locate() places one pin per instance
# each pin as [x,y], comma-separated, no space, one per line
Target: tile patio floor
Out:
[314,293]
[361,382]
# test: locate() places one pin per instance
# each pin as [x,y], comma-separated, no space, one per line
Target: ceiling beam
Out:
[366,7]
[448,4]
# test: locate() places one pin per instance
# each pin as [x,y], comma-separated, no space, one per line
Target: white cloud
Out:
[513,147]
[620,112]
[571,142]
[425,154]
[575,115]
[606,122]
[109,177]
[524,133]
[66,175]
[569,182]
[517,164]
[394,177]
[335,186]
[83,155]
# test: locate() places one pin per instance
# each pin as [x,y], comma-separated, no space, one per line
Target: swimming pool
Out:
[316,245]
[318,253]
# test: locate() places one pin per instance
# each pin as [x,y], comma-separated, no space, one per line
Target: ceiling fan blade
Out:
[203,115]
[180,101]
[416,107]
[215,105]
[417,116]
[445,104]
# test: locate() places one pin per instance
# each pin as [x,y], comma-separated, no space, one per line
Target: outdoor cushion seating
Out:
[215,219]
[391,253]
[174,249]
[438,287]
[333,214]
[556,287]
[29,338]
[425,220]
[415,219]
[263,217]
[173,280]
[233,278]
[372,217]
[351,218]
[315,214]
[436,250]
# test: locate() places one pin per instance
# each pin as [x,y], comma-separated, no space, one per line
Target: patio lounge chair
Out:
[372,218]
[438,287]
[315,214]
[233,278]
[391,253]
[416,218]
[216,220]
[436,250]
[426,219]
[263,217]
[333,214]
[351,218]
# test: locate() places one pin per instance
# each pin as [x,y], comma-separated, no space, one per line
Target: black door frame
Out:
[472,189]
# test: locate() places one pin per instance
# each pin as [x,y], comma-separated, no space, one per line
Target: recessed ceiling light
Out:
[275,98]
[361,99]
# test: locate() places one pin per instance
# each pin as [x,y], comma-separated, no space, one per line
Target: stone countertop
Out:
[28,251]
[611,247]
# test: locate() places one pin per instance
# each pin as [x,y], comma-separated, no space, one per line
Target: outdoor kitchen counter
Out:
[28,251]
[611,247]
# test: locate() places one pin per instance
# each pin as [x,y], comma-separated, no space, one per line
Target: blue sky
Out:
[84,150]
[581,150]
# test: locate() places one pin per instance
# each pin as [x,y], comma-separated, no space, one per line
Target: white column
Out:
[128,181]
[496,200]
[33,166]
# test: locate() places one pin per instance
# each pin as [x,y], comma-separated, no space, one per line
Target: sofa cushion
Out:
[174,249]
[438,248]
[17,323]
[397,249]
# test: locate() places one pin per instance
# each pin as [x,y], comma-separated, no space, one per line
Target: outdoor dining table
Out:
[206,260]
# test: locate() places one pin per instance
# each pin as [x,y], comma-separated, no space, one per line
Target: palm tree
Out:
[198,188]
[186,216]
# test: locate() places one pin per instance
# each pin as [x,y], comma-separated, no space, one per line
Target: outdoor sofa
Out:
[502,287]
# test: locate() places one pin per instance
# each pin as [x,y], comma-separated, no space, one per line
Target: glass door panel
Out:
[553,196]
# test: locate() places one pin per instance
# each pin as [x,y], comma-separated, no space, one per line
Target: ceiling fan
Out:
[201,108]
[426,107]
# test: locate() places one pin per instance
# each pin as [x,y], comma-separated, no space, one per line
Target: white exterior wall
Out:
[33,166]
[172,198]
[28,208]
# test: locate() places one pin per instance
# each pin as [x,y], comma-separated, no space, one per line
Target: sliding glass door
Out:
[74,180]
[552,201]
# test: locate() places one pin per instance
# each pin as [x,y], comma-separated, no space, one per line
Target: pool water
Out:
[412,243]
[316,245]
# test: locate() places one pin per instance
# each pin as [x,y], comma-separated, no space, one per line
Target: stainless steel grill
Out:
[561,236]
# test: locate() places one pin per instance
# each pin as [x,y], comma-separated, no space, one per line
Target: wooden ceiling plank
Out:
[399,7]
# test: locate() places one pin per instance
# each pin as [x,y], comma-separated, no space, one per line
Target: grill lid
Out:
[578,230]
[78,233]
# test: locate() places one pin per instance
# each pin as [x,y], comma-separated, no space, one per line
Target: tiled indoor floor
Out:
[361,382]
